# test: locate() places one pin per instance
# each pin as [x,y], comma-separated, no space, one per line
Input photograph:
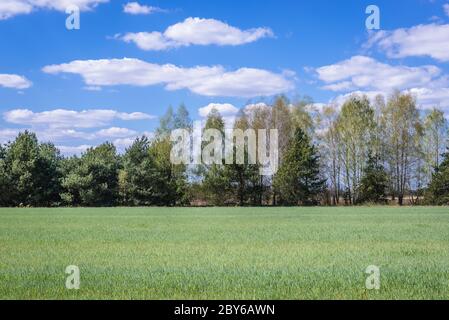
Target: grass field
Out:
[225,253]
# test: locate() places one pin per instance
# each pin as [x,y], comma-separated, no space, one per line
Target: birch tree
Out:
[355,125]
[403,127]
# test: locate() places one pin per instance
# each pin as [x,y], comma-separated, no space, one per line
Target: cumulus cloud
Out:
[136,8]
[116,132]
[8,135]
[225,109]
[14,81]
[430,40]
[256,106]
[429,98]
[148,40]
[202,80]
[73,150]
[366,76]
[57,134]
[426,98]
[68,119]
[360,72]
[196,31]
[342,98]
[123,143]
[10,8]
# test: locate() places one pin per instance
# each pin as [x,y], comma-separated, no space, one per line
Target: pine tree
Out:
[92,180]
[298,180]
[216,180]
[181,120]
[374,182]
[244,177]
[136,177]
[438,191]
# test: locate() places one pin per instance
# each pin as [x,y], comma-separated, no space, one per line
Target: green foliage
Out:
[48,177]
[374,182]
[166,123]
[216,185]
[438,191]
[407,148]
[243,179]
[181,119]
[435,128]
[21,159]
[169,181]
[137,176]
[174,120]
[29,172]
[403,131]
[5,181]
[92,180]
[298,180]
[216,182]
[355,126]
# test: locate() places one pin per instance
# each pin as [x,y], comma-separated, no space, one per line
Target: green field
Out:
[225,253]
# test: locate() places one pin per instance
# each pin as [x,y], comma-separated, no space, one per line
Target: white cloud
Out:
[207,81]
[14,81]
[366,76]
[115,132]
[123,143]
[57,134]
[426,98]
[68,119]
[339,86]
[430,40]
[136,8]
[121,138]
[196,31]
[73,150]
[341,99]
[429,98]
[8,135]
[10,8]
[148,40]
[360,72]
[446,9]
[225,109]
[256,106]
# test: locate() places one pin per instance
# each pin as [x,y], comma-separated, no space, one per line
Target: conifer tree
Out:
[374,182]
[298,179]
[438,191]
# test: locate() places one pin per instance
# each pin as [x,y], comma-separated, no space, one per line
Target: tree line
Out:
[380,152]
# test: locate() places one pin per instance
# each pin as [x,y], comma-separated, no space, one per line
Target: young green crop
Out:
[225,253]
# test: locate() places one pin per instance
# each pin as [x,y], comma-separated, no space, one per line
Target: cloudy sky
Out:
[112,78]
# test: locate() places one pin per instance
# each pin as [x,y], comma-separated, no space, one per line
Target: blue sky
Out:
[317,48]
